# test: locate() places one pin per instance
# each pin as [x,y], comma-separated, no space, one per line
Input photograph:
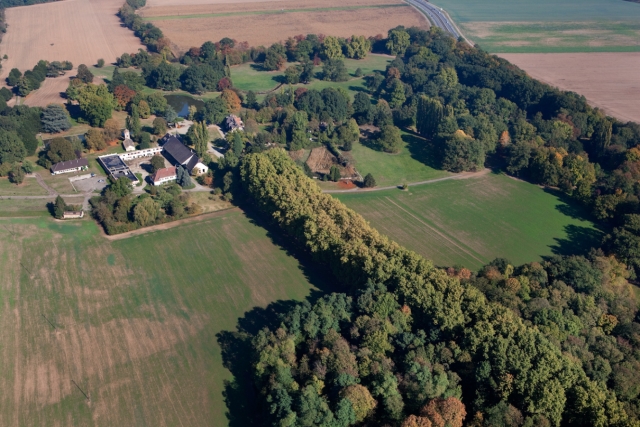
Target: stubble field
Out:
[80,31]
[471,221]
[132,322]
[608,80]
[266,22]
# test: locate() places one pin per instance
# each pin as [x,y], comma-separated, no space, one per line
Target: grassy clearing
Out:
[548,26]
[250,76]
[135,320]
[271,12]
[472,221]
[413,164]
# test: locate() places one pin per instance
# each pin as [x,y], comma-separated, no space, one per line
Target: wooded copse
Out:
[500,359]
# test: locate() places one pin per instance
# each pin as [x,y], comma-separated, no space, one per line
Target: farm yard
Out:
[471,221]
[133,322]
[607,80]
[215,20]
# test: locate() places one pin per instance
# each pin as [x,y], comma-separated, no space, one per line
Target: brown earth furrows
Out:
[258,30]
[608,80]
[320,160]
[253,6]
[80,31]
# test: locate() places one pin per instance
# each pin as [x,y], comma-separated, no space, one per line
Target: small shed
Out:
[73,214]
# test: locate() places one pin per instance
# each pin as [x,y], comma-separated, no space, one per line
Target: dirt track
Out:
[80,31]
[608,80]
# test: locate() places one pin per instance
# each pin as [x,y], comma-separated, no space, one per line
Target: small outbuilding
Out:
[72,214]
[70,166]
[164,175]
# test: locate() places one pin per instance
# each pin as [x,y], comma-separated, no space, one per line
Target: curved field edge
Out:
[470,222]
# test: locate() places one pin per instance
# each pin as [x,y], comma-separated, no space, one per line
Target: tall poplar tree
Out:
[430,114]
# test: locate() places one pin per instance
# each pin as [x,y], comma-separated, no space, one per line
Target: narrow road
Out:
[462,175]
[437,16]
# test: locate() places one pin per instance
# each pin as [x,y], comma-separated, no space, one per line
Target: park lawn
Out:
[472,221]
[134,322]
[29,187]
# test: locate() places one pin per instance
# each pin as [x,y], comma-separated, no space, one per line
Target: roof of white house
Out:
[70,164]
[169,172]
[128,143]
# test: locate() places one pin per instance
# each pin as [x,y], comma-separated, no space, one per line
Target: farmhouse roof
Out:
[233,121]
[164,173]
[70,164]
[128,143]
[176,149]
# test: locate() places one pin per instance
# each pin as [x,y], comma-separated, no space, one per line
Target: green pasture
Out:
[271,12]
[549,37]
[133,322]
[470,222]
[542,10]
[511,26]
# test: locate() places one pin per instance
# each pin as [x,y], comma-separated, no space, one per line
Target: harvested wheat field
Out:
[134,324]
[285,18]
[80,31]
[51,91]
[608,80]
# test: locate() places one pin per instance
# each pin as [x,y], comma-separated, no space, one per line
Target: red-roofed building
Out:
[164,175]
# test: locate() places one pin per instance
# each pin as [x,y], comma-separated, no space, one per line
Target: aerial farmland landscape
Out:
[371,213]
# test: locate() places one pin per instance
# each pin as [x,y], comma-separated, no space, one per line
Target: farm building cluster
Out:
[171,148]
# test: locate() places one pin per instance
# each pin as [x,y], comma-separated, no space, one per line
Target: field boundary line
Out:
[436,231]
[463,175]
[271,12]
[168,225]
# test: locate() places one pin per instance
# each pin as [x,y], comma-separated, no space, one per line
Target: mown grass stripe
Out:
[270,12]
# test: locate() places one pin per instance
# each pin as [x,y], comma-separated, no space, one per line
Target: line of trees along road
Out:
[502,361]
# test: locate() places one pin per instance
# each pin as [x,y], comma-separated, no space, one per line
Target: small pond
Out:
[181,103]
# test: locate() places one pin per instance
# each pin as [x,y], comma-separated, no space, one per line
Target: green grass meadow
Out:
[471,221]
[133,322]
[512,26]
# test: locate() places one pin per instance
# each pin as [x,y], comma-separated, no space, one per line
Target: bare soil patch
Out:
[80,31]
[608,80]
[154,3]
[257,30]
[321,160]
[346,184]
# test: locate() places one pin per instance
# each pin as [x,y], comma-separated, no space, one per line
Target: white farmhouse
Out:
[70,166]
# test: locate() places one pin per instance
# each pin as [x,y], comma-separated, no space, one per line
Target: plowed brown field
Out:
[608,80]
[259,29]
[80,31]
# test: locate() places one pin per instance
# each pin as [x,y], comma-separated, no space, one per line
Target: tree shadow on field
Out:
[579,240]
[241,393]
[421,149]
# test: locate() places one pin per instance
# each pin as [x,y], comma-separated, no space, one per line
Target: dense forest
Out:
[412,344]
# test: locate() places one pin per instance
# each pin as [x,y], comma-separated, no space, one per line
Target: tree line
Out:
[503,361]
